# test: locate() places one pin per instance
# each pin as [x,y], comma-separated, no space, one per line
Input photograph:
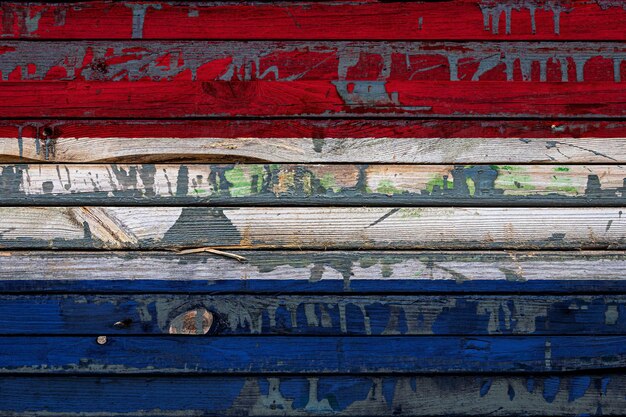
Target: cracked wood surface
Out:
[534,395]
[367,19]
[329,315]
[311,228]
[314,272]
[309,184]
[193,99]
[301,355]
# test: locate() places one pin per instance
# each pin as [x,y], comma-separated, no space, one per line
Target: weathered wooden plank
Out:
[306,140]
[314,272]
[311,128]
[474,19]
[273,184]
[188,99]
[311,315]
[357,62]
[539,395]
[298,355]
[311,228]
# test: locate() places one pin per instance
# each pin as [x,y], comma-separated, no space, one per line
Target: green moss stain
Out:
[240,182]
[328,182]
[561,184]
[471,186]
[513,178]
[387,187]
[561,169]
[438,181]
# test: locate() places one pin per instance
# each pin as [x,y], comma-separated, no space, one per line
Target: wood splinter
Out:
[213,251]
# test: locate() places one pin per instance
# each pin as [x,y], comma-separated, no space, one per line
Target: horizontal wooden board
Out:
[56,129]
[358,62]
[311,315]
[306,150]
[474,19]
[297,355]
[307,184]
[471,395]
[311,228]
[314,272]
[192,99]
[309,140]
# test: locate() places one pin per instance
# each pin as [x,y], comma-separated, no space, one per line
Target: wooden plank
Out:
[475,19]
[306,150]
[311,129]
[358,62]
[311,228]
[298,355]
[311,315]
[189,99]
[307,184]
[306,140]
[314,272]
[539,395]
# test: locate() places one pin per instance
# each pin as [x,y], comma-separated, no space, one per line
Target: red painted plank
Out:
[307,128]
[364,19]
[290,61]
[184,99]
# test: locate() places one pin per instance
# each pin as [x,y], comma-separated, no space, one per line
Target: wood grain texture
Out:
[308,184]
[362,128]
[537,395]
[437,150]
[311,228]
[191,99]
[314,272]
[357,62]
[306,140]
[298,355]
[311,315]
[475,19]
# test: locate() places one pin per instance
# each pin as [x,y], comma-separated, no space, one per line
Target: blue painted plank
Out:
[286,354]
[316,272]
[534,395]
[241,314]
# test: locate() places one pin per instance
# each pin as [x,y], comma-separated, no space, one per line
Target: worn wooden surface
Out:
[356,62]
[314,272]
[365,19]
[312,228]
[311,315]
[535,395]
[306,140]
[411,150]
[308,184]
[192,99]
[538,395]
[131,130]
[298,355]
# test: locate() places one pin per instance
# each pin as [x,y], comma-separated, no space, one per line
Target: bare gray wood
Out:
[412,150]
[45,271]
[312,228]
